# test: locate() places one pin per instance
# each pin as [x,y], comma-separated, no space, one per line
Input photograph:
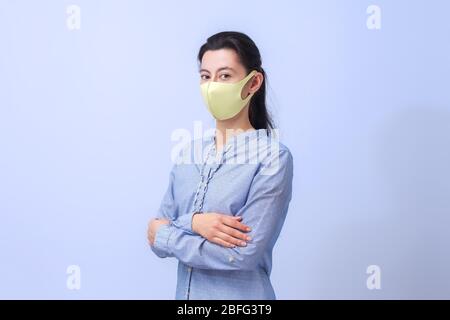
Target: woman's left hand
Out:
[153,227]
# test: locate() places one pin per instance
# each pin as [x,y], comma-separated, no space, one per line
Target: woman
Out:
[221,218]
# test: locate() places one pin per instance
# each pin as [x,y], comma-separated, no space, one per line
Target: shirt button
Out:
[231,259]
[190,269]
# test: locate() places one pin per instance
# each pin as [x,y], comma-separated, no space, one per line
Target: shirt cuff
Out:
[162,236]
[184,222]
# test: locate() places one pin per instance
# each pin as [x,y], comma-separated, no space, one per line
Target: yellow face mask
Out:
[224,100]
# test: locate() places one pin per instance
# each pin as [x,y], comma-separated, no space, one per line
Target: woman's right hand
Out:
[221,229]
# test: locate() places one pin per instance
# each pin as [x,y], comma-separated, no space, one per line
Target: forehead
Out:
[214,59]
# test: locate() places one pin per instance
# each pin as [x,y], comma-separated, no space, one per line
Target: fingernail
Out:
[243,243]
[248,229]
[249,238]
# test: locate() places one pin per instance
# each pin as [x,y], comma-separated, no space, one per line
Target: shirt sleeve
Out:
[265,211]
[169,210]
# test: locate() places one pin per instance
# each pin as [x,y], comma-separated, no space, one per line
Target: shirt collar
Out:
[240,137]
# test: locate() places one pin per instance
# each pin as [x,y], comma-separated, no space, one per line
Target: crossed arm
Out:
[264,212]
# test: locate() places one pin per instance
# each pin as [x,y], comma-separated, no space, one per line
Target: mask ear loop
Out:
[249,76]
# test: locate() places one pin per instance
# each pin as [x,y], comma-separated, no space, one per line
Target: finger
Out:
[234,233]
[230,239]
[236,224]
[222,242]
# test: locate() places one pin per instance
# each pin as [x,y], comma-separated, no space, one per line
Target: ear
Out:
[256,82]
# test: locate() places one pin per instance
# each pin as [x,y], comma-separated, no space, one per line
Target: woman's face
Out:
[223,65]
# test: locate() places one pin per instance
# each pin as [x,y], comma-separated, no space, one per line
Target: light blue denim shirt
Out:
[240,180]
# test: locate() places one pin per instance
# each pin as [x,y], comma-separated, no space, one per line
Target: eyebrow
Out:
[220,69]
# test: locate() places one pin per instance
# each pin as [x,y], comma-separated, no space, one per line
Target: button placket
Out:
[200,193]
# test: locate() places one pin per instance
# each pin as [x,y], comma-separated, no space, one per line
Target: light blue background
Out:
[85,137]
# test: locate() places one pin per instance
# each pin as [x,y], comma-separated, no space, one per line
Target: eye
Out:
[204,77]
[225,76]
